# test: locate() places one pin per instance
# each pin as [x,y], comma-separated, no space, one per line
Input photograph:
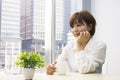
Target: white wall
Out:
[107,14]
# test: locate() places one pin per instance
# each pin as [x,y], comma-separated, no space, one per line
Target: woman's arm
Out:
[64,55]
[51,68]
[89,61]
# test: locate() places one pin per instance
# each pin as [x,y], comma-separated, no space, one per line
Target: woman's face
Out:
[77,28]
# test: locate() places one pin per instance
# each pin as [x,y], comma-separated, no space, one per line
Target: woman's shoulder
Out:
[71,44]
[97,43]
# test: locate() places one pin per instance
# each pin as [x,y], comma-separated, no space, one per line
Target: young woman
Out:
[84,54]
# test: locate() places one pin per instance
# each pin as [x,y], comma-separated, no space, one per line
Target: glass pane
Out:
[10,41]
[22,28]
[33,25]
[62,24]
[64,9]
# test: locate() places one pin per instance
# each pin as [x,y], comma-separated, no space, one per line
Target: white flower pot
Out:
[28,73]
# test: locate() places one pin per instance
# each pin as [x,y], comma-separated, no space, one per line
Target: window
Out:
[42,25]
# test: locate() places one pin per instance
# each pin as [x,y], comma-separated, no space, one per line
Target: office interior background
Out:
[43,26]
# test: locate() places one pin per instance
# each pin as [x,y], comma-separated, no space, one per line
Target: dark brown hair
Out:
[83,17]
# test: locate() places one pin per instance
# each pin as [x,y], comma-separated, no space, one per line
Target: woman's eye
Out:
[79,25]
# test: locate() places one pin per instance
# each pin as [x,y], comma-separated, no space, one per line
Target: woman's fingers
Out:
[54,62]
[85,35]
[51,69]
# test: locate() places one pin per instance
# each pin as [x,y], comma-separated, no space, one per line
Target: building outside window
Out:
[9,32]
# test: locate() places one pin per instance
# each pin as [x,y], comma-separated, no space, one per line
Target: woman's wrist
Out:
[79,47]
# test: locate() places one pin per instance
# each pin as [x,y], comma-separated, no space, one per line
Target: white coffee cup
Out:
[61,67]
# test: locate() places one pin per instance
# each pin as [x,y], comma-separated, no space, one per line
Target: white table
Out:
[69,76]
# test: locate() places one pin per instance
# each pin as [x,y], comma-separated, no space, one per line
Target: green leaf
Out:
[30,60]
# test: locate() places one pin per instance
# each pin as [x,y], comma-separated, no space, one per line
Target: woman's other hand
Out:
[51,68]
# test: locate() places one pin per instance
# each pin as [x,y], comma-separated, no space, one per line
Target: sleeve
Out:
[64,56]
[89,61]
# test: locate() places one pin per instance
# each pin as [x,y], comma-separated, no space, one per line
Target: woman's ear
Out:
[90,27]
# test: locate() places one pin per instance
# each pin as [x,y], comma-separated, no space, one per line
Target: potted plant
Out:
[29,61]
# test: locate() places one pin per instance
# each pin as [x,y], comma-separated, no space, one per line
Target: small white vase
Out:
[28,73]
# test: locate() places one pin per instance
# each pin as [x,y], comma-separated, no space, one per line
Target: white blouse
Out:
[88,60]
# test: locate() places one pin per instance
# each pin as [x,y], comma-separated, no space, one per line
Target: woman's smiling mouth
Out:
[76,35]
